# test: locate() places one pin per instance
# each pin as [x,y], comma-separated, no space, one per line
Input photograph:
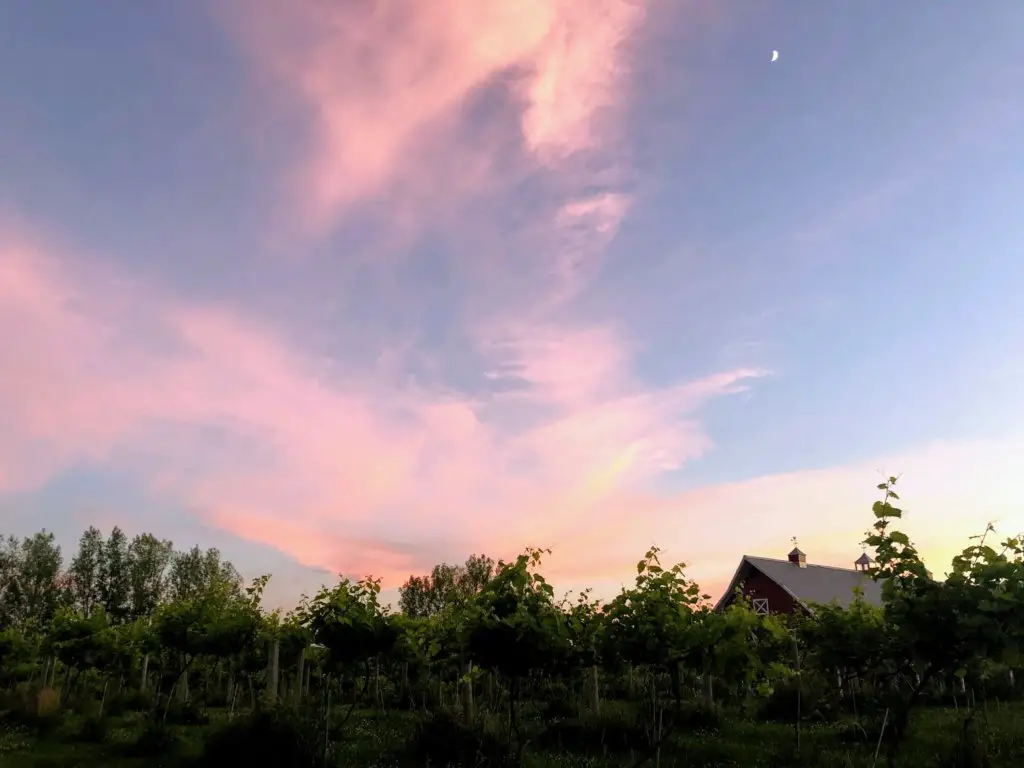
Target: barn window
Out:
[761,606]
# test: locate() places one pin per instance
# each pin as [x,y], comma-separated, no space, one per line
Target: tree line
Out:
[180,629]
[125,579]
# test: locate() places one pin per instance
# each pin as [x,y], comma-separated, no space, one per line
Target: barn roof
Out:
[807,583]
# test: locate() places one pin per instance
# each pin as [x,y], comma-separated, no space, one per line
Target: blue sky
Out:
[335,290]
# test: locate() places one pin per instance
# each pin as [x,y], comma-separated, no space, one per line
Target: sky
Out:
[362,286]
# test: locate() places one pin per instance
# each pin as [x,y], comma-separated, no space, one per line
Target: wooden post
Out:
[273,671]
[467,693]
[183,687]
[300,676]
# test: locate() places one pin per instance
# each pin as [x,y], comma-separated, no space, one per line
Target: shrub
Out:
[155,740]
[441,739]
[812,698]
[187,713]
[698,717]
[93,730]
[131,700]
[596,734]
[37,709]
[275,737]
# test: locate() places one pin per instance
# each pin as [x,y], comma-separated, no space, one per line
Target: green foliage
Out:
[445,586]
[856,639]
[514,626]
[484,661]
[114,586]
[32,586]
[942,625]
[86,642]
[148,559]
[16,650]
[347,620]
[938,627]
[656,622]
[585,624]
[87,572]
[217,623]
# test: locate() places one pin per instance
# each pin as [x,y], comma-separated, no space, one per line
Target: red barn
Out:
[786,586]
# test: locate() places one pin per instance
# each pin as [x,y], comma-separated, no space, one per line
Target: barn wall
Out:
[758,585]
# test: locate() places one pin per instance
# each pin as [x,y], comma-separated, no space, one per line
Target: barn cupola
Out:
[796,557]
[863,562]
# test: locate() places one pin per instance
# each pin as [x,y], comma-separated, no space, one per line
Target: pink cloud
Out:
[361,473]
[576,69]
[379,83]
[364,470]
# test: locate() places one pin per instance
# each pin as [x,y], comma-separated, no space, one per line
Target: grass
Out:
[615,739]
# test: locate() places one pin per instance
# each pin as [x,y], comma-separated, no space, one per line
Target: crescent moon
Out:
[775,55]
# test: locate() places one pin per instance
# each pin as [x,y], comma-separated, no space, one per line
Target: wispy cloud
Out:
[382,88]
[213,409]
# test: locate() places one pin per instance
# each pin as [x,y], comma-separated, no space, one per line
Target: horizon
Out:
[390,596]
[341,289]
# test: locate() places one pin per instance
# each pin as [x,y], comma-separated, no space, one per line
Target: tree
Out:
[218,622]
[585,625]
[89,642]
[148,559]
[38,577]
[11,594]
[653,623]
[86,571]
[853,641]
[348,621]
[515,628]
[423,596]
[474,575]
[196,572]
[114,585]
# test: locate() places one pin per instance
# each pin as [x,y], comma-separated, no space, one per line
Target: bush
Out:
[155,740]
[93,730]
[187,713]
[34,708]
[275,737]
[441,739]
[130,700]
[697,717]
[13,738]
[622,730]
[812,698]
[596,734]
